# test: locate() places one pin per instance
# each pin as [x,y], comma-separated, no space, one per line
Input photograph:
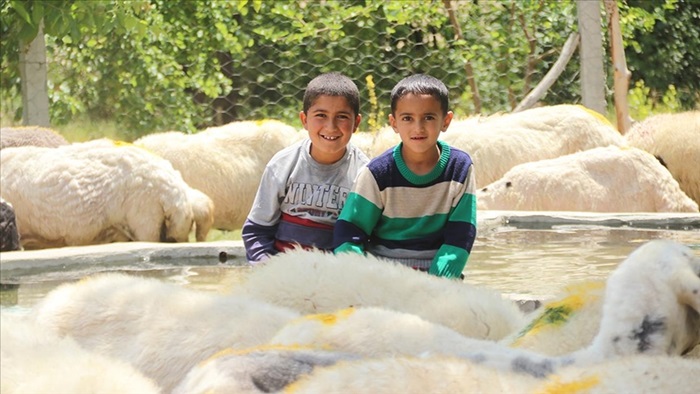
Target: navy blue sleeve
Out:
[259,241]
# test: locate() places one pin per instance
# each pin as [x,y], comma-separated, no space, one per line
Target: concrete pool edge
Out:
[631,219]
[67,257]
[63,258]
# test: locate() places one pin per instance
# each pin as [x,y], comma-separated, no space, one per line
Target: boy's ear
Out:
[392,122]
[448,119]
[302,117]
[358,119]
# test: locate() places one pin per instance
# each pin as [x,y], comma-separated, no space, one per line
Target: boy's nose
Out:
[333,124]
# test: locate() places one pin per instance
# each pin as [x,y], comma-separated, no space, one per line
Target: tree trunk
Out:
[622,74]
[591,52]
[33,72]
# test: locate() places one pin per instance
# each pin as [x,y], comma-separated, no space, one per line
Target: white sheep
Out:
[379,332]
[605,179]
[565,323]
[316,282]
[287,358]
[363,140]
[439,374]
[374,143]
[226,162]
[30,136]
[263,369]
[652,302]
[98,192]
[410,375]
[35,360]
[570,321]
[499,142]
[9,235]
[162,329]
[675,140]
[694,353]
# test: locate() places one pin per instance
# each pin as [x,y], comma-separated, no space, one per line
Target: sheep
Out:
[605,179]
[226,162]
[99,191]
[377,332]
[563,324]
[30,136]
[419,338]
[638,374]
[675,140]
[694,353]
[263,369]
[363,140]
[651,307]
[312,281]
[500,142]
[35,360]
[374,143]
[570,321]
[440,374]
[9,235]
[651,300]
[409,375]
[161,328]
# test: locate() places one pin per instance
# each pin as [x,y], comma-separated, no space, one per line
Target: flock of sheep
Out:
[312,322]
[166,185]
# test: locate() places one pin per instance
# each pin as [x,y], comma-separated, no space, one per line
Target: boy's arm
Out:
[460,233]
[359,215]
[259,241]
[259,230]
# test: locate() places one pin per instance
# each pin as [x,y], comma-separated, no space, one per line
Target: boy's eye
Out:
[406,118]
[320,115]
[430,117]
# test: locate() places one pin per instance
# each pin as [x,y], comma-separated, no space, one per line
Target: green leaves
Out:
[172,64]
[19,8]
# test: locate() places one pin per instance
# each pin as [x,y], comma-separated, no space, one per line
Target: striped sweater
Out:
[424,221]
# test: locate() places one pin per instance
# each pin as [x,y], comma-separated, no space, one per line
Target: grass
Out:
[219,235]
[83,129]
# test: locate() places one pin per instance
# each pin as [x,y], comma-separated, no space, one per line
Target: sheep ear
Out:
[690,285]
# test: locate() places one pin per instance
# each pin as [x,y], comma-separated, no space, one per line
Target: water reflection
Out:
[537,262]
[523,262]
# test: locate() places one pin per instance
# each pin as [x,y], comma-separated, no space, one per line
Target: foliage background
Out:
[156,65]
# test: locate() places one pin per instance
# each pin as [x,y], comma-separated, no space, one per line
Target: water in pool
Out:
[527,262]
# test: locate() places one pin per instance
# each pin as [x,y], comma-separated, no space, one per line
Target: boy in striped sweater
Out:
[416,202]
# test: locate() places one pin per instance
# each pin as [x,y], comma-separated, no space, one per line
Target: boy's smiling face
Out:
[419,119]
[330,122]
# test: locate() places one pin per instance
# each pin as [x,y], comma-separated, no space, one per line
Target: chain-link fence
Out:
[205,63]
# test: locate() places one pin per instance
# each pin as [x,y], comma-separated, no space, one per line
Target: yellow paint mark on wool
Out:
[596,115]
[556,386]
[331,318]
[122,143]
[556,313]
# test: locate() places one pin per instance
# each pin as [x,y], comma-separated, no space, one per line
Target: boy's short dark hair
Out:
[421,84]
[332,84]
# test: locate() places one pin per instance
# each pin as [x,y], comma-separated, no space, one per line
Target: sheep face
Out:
[652,302]
[9,235]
